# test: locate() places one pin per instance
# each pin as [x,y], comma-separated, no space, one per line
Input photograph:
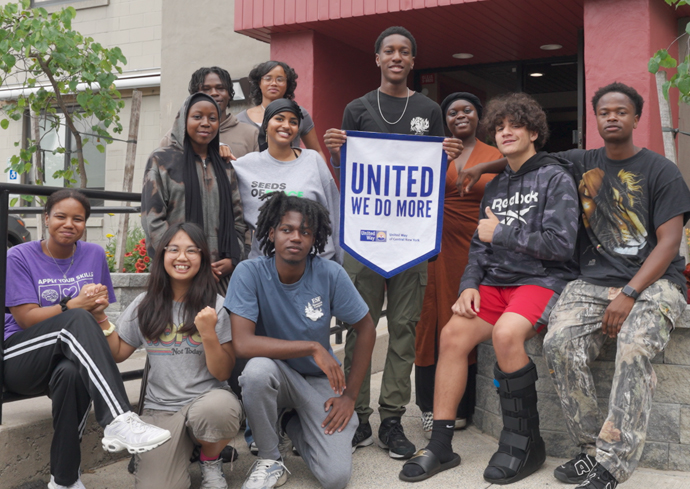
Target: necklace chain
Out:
[378,101]
[64,274]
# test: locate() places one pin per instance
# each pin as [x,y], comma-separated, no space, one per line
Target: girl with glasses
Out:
[181,322]
[271,81]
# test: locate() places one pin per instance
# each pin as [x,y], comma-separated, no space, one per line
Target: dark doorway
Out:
[552,82]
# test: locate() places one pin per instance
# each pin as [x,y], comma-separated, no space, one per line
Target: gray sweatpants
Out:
[268,386]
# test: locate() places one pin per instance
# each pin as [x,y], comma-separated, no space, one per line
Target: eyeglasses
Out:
[189,252]
[280,80]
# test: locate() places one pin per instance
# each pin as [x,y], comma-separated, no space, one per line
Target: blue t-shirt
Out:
[297,312]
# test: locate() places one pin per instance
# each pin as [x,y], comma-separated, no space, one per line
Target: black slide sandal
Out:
[430,464]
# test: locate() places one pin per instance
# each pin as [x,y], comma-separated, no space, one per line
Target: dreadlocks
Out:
[314,215]
[199,77]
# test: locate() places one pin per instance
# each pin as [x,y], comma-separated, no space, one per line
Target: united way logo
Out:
[372,235]
[314,309]
[419,126]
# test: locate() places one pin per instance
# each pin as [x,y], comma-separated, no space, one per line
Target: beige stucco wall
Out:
[197,34]
[175,41]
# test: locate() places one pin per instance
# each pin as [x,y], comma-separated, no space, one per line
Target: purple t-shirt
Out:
[34,278]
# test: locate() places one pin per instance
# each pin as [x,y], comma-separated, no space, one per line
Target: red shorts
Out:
[529,301]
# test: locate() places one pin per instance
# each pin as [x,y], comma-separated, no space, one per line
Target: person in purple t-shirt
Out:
[55,339]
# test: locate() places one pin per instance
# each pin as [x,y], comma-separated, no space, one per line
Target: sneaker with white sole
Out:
[54,485]
[427,424]
[212,474]
[128,431]
[266,474]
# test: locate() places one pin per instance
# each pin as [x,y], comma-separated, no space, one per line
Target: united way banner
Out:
[391,199]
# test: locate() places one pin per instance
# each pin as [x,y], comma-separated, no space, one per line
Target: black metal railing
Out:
[36,190]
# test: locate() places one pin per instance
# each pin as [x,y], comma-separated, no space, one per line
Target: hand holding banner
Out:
[391,199]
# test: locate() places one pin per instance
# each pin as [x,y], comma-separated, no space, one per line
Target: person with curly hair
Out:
[630,288]
[520,259]
[281,305]
[271,81]
[463,111]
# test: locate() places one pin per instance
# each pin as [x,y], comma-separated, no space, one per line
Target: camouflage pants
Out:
[574,340]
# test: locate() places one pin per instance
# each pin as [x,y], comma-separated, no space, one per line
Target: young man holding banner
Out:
[391,108]
[521,258]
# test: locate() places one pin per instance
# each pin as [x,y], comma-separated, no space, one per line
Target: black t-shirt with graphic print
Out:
[623,203]
[422,117]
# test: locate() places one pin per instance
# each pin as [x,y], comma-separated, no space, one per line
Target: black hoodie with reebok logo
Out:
[534,242]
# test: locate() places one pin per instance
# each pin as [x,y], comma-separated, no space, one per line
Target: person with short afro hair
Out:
[630,92]
[281,305]
[396,30]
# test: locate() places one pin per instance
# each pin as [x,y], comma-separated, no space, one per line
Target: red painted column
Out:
[620,37]
[331,74]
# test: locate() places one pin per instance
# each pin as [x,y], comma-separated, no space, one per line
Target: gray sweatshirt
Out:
[307,176]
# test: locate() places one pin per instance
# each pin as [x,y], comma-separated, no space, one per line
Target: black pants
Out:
[425,378]
[68,358]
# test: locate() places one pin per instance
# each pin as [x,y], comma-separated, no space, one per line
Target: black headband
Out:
[276,107]
[470,97]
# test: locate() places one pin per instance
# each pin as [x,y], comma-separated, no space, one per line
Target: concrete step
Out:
[27,431]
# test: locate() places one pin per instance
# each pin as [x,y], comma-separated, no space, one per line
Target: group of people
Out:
[247,272]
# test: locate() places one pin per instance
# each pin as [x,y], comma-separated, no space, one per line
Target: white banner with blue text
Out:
[391,199]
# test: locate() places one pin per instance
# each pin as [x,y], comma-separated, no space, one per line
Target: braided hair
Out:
[314,216]
[199,77]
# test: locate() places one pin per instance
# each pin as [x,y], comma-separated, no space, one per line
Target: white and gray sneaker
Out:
[128,431]
[265,474]
[427,424]
[212,474]
[54,485]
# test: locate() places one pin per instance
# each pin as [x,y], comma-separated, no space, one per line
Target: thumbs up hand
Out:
[487,226]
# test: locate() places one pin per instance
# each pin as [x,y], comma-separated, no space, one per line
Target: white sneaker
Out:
[54,485]
[266,474]
[460,423]
[212,474]
[427,424]
[130,432]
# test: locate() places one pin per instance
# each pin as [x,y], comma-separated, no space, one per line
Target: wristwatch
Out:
[630,292]
[63,302]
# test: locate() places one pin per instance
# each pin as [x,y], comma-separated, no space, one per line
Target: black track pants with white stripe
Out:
[68,358]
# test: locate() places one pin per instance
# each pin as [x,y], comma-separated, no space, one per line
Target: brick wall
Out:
[668,436]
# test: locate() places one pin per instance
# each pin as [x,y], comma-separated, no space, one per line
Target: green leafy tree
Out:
[662,59]
[40,50]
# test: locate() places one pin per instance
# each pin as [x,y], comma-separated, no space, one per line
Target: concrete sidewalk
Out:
[374,469]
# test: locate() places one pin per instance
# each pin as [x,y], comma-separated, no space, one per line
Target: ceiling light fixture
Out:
[463,55]
[551,47]
[536,75]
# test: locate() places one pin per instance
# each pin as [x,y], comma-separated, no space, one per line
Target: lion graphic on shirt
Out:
[612,210]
